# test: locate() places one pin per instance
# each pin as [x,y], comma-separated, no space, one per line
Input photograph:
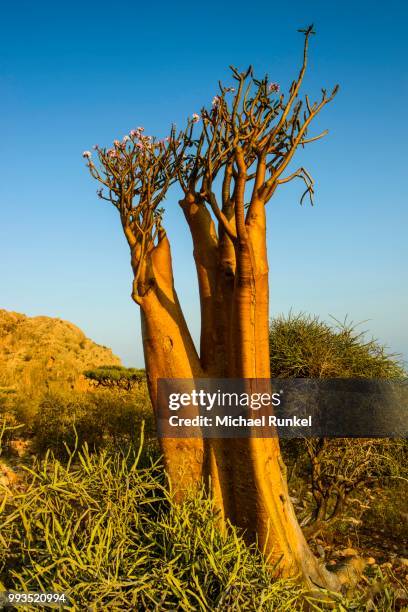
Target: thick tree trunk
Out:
[262,504]
[247,476]
[217,468]
[205,252]
[169,353]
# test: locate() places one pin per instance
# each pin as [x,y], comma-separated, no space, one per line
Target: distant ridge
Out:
[39,353]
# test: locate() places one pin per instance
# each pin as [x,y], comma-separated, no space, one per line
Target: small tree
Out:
[247,140]
[303,346]
[116,377]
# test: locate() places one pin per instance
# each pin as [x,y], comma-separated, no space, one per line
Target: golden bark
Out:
[217,469]
[262,503]
[247,475]
[205,253]
[169,353]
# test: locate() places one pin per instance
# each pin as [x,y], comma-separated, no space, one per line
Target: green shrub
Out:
[10,424]
[387,513]
[25,409]
[303,346]
[338,472]
[98,418]
[103,529]
[106,532]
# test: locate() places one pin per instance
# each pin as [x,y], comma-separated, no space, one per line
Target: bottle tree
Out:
[229,162]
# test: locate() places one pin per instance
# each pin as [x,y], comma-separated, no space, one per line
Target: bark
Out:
[217,468]
[169,353]
[247,476]
[262,504]
[205,253]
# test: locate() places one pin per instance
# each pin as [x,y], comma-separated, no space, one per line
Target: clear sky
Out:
[77,73]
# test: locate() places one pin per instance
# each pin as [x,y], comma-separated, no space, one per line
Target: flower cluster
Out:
[135,138]
[216,101]
[274,87]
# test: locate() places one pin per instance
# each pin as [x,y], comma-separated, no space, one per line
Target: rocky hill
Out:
[39,353]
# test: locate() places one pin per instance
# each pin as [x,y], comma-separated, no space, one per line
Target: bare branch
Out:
[136,174]
[303,174]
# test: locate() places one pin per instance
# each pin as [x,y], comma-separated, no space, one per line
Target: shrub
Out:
[98,418]
[107,533]
[10,425]
[343,472]
[304,346]
[388,514]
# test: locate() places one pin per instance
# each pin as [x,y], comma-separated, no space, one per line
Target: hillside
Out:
[39,353]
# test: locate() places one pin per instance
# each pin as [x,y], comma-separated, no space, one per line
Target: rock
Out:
[7,476]
[20,447]
[348,552]
[39,354]
[321,551]
[351,570]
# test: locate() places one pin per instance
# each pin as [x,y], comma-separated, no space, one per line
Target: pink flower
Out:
[111,153]
[134,133]
[140,129]
[167,139]
[116,143]
[215,100]
[87,154]
[139,145]
[274,87]
[126,138]
[196,117]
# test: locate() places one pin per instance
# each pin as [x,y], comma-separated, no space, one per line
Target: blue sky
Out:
[74,74]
